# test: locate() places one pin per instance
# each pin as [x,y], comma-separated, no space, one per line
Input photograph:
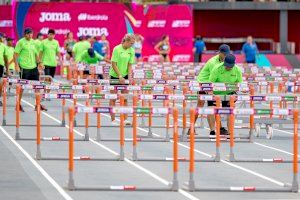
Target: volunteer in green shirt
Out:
[10,55]
[38,41]
[227,72]
[80,47]
[122,59]
[91,57]
[204,74]
[26,59]
[3,61]
[48,53]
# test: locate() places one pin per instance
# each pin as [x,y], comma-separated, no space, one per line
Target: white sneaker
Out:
[115,122]
[127,123]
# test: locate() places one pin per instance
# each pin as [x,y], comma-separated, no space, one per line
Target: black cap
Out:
[91,52]
[9,39]
[229,60]
[88,37]
[51,31]
[28,30]
[225,49]
[80,38]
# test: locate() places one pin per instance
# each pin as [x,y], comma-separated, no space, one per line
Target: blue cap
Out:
[225,49]
[91,52]
[229,60]
[28,30]
[2,35]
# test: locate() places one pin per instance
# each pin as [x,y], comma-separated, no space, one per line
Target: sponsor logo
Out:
[57,31]
[55,17]
[181,23]
[181,58]
[88,17]
[6,23]
[156,24]
[82,31]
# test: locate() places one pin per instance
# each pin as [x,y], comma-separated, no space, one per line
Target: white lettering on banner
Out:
[263,83]
[27,87]
[158,88]
[146,97]
[6,23]
[45,30]
[246,111]
[206,111]
[133,88]
[243,98]
[55,17]
[52,87]
[95,31]
[273,98]
[181,58]
[88,17]
[111,96]
[81,96]
[85,109]
[160,110]
[207,97]
[277,111]
[50,96]
[181,23]
[176,97]
[122,110]
[156,24]
[77,87]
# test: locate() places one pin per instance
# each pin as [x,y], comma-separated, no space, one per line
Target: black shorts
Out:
[164,55]
[70,53]
[1,71]
[114,78]
[225,104]
[50,71]
[87,72]
[30,74]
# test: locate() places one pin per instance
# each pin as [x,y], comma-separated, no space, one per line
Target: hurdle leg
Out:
[295,185]
[38,155]
[71,184]
[17,136]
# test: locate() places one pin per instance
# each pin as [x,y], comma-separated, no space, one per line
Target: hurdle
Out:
[173,186]
[190,185]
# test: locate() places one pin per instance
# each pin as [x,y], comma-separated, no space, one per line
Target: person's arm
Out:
[239,75]
[244,52]
[204,46]
[156,48]
[213,75]
[107,60]
[108,50]
[17,68]
[169,50]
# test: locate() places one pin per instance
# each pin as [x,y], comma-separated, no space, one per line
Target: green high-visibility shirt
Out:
[27,53]
[122,57]
[86,58]
[220,75]
[203,76]
[3,52]
[49,50]
[10,57]
[79,48]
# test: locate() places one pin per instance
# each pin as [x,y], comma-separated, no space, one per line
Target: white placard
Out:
[50,96]
[85,109]
[111,96]
[52,87]
[160,110]
[243,98]
[244,111]
[206,111]
[273,98]
[146,97]
[206,97]
[278,111]
[122,110]
[176,97]
[158,88]
[77,87]
[81,96]
[133,88]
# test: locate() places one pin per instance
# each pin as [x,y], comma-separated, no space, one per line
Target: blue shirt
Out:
[199,45]
[250,51]
[98,47]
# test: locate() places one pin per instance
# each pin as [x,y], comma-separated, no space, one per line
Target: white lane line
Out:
[153,175]
[223,161]
[39,168]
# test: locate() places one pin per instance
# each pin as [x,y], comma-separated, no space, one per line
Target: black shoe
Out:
[223,131]
[20,109]
[188,133]
[212,133]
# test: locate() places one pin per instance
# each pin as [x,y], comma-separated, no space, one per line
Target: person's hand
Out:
[122,80]
[17,68]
